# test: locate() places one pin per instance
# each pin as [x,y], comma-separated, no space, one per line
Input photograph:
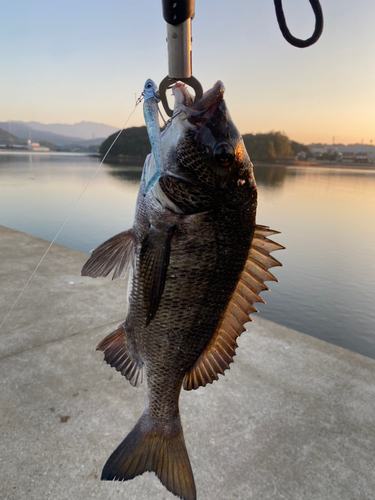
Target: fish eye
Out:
[224,154]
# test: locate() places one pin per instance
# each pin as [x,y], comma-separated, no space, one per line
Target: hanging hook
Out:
[167,83]
[297,42]
[178,15]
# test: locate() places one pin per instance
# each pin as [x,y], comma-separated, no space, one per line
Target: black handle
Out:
[178,11]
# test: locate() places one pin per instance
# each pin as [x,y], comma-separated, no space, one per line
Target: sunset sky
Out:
[68,61]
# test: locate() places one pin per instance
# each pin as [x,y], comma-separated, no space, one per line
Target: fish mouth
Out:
[198,112]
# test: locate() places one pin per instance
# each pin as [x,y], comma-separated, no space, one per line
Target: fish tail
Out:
[154,447]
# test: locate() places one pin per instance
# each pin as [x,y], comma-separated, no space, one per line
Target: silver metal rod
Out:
[179,50]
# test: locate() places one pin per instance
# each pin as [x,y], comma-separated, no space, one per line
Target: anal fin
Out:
[114,254]
[221,349]
[117,355]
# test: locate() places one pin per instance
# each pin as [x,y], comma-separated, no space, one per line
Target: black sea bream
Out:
[197,262]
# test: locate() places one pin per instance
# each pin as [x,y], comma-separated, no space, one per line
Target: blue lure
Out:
[150,112]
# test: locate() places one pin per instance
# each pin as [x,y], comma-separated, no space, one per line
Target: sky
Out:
[68,61]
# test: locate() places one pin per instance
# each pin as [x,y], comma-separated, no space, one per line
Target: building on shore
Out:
[348,156]
[362,158]
[35,146]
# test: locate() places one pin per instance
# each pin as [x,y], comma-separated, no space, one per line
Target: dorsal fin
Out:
[116,253]
[117,355]
[220,351]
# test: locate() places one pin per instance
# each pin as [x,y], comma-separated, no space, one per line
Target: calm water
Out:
[326,218]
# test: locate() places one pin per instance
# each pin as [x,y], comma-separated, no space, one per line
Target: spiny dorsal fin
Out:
[116,253]
[117,355]
[221,349]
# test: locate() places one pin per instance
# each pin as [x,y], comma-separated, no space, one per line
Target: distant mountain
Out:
[81,130]
[23,131]
[7,138]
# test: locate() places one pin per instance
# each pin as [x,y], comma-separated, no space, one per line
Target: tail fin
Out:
[154,448]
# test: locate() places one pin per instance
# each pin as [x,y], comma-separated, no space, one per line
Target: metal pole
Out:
[179,50]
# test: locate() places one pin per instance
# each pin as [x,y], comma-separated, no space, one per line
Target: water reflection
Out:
[272,176]
[128,173]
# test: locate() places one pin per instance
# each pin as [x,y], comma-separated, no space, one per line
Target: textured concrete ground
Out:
[293,419]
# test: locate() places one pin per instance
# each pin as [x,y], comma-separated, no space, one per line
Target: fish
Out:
[196,262]
[151,116]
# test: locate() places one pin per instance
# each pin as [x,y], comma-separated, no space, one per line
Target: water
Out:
[326,217]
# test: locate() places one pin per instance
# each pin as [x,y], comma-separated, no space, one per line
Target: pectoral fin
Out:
[154,260]
[114,254]
[221,349]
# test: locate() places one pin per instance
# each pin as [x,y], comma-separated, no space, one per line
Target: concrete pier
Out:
[293,419]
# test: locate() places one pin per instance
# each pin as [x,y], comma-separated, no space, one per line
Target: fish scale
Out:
[197,262]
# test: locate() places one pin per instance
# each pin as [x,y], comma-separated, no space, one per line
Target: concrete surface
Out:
[293,419]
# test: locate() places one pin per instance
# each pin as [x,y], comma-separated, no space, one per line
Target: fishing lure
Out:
[150,112]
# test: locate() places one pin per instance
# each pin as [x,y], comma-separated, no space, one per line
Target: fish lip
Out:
[211,97]
[197,112]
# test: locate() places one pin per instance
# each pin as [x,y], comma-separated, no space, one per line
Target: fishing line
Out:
[70,213]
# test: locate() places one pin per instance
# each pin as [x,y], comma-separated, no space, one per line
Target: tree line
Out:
[134,141]
[268,146]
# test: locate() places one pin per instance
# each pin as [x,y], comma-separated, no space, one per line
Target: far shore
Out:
[327,164]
